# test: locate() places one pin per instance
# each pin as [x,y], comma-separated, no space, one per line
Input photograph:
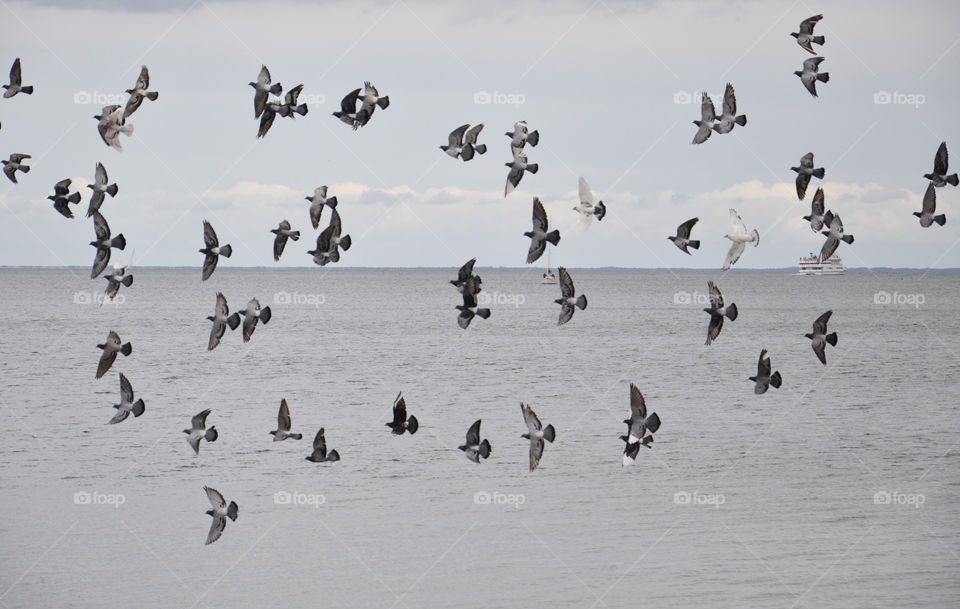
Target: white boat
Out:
[811,265]
[549,278]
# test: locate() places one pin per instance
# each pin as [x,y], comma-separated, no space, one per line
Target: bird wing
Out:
[806,26]
[143,81]
[530,418]
[15,78]
[279,242]
[763,365]
[638,407]
[209,265]
[221,307]
[586,197]
[199,420]
[683,231]
[472,135]
[100,227]
[716,298]
[455,139]
[810,65]
[729,101]
[399,409]
[369,89]
[807,160]
[820,324]
[829,247]
[566,283]
[803,180]
[62,187]
[539,215]
[100,261]
[930,200]
[817,205]
[473,434]
[941,162]
[537,247]
[566,313]
[264,76]
[536,451]
[216,499]
[292,95]
[209,235]
[707,111]
[100,175]
[739,228]
[320,445]
[283,417]
[713,330]
[216,528]
[126,390]
[733,254]
[466,271]
[513,179]
[348,104]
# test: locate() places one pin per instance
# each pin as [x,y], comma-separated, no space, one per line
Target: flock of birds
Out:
[356,110]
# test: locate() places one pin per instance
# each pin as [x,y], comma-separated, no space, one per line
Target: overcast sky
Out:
[608,84]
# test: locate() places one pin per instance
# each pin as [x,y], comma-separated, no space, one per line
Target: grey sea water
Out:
[838,490]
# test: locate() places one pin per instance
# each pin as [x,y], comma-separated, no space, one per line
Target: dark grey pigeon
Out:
[282,232]
[212,250]
[927,216]
[816,211]
[139,92]
[464,275]
[707,117]
[682,238]
[469,309]
[810,74]
[718,311]
[569,301]
[805,36]
[289,107]
[541,233]
[283,424]
[329,242]
[320,454]
[317,202]
[521,136]
[116,278]
[263,89]
[199,431]
[220,512]
[251,315]
[348,109]
[518,167]
[939,176]
[474,447]
[111,124]
[16,81]
[804,171]
[640,426]
[820,337]
[14,164]
[764,380]
[100,188]
[266,119]
[103,243]
[455,146]
[221,318]
[401,422]
[470,143]
[111,347]
[536,433]
[834,235]
[126,405]
[62,197]
[369,102]
[729,117]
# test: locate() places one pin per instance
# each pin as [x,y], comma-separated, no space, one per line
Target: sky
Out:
[611,86]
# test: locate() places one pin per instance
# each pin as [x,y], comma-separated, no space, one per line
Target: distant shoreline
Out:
[786,269]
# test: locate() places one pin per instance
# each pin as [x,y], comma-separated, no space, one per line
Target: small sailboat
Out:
[549,278]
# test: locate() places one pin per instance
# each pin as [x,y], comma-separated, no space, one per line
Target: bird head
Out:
[798,73]
[795,34]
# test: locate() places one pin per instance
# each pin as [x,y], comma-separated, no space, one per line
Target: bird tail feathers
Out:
[549,433]
[832,338]
[952,179]
[226,250]
[233,510]
[776,380]
[138,408]
[233,321]
[553,237]
[823,77]
[756,238]
[483,313]
[333,455]
[940,219]
[848,239]
[695,244]
[482,148]
[126,349]
[127,281]
[346,242]
[412,424]
[484,449]
[818,39]
[265,314]
[533,138]
[819,172]
[732,311]
[211,435]
[383,102]
[741,120]
[582,302]
[112,190]
[119,242]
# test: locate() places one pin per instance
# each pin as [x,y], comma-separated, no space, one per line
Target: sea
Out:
[840,489]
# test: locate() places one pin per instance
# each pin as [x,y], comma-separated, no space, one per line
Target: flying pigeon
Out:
[126,405]
[939,176]
[317,201]
[283,424]
[717,312]
[587,209]
[103,244]
[521,136]
[810,74]
[401,422]
[536,433]
[764,379]
[198,431]
[221,318]
[804,171]
[16,82]
[212,250]
[834,235]
[111,124]
[250,315]
[111,347]
[115,278]
[470,139]
[289,106]
[568,301]
[320,454]
[682,238]
[464,274]
[348,109]
[729,117]
[138,92]
[263,89]
[474,447]
[805,36]
[61,198]
[517,168]
[369,102]
[740,238]
[816,211]
[455,146]
[927,216]
[220,512]
[266,119]
[13,165]
[469,309]
[330,241]
[820,337]
[640,427]
[539,236]
[100,187]
[707,117]
[280,241]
